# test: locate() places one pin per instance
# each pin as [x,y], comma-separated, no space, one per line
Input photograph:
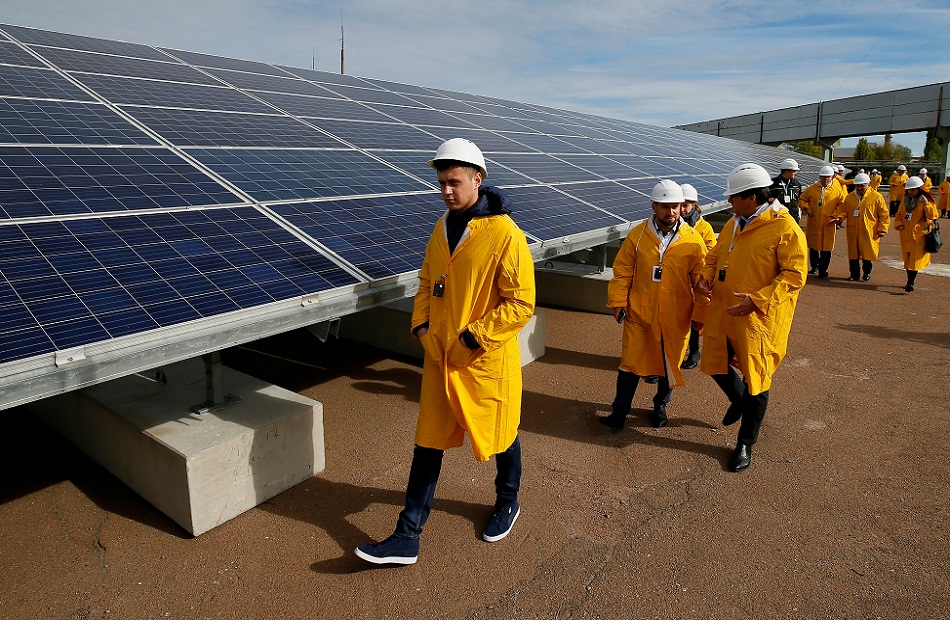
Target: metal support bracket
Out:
[215,397]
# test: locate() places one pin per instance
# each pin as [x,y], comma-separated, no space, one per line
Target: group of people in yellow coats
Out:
[828,204]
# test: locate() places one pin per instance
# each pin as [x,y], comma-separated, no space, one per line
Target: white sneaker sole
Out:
[506,532]
[390,559]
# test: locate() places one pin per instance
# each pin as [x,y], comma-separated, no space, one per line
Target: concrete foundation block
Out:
[574,286]
[200,470]
[387,327]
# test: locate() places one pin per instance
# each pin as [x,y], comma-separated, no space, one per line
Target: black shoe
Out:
[909,288]
[853,278]
[689,363]
[733,414]
[812,271]
[741,457]
[658,416]
[823,274]
[866,277]
[651,379]
[614,421]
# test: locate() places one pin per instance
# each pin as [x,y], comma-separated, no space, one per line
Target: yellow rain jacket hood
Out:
[656,310]
[768,261]
[488,290]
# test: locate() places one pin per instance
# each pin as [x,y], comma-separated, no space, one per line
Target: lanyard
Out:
[667,239]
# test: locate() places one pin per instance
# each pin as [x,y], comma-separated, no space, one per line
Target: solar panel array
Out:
[143,188]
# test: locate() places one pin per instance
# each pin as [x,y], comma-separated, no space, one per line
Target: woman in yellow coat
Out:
[754,274]
[651,293]
[693,216]
[928,182]
[896,192]
[913,220]
[819,202]
[476,291]
[943,203]
[867,220]
[876,179]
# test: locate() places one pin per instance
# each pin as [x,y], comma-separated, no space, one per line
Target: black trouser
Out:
[911,277]
[813,258]
[824,259]
[753,407]
[692,353]
[855,266]
[627,383]
[424,476]
[894,206]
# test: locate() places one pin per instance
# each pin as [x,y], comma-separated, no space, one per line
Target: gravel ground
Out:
[843,513]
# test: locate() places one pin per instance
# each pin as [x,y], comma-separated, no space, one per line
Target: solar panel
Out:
[195,201]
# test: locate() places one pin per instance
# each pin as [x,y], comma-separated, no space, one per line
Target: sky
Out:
[659,62]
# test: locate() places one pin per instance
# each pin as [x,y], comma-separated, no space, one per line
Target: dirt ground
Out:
[843,513]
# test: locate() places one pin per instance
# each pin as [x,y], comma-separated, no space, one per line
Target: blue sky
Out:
[664,63]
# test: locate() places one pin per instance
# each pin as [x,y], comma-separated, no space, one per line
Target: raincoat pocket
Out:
[431,346]
[459,355]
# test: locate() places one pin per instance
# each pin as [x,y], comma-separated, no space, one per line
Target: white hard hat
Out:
[948,172]
[689,192]
[746,177]
[861,171]
[874,171]
[826,171]
[923,171]
[460,149]
[862,179]
[914,183]
[667,191]
[902,167]
[788,164]
[841,168]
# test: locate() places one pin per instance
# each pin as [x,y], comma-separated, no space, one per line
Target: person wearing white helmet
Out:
[754,275]
[818,202]
[476,292]
[692,215]
[651,295]
[914,218]
[868,219]
[786,189]
[895,192]
[928,182]
[943,191]
[876,179]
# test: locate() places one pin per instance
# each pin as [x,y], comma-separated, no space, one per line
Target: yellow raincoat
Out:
[872,218]
[912,228]
[489,290]
[657,310]
[896,182]
[819,231]
[768,261]
[928,184]
[876,180]
[943,202]
[706,231]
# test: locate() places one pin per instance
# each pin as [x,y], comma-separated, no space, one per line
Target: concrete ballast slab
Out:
[200,470]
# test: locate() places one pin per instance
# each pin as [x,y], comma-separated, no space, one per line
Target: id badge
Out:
[657,272]
[908,216]
[788,199]
[722,274]
[856,212]
[439,289]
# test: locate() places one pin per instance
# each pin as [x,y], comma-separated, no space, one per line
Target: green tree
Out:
[933,150]
[805,147]
[863,150]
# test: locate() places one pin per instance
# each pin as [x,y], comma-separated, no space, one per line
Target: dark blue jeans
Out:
[424,476]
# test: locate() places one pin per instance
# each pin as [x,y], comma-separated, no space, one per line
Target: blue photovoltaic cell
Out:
[381,236]
[29,121]
[420,116]
[379,135]
[42,83]
[77,42]
[546,214]
[13,54]
[492,123]
[220,62]
[130,67]
[488,141]
[544,168]
[203,128]
[614,197]
[399,88]
[325,78]
[256,81]
[321,107]
[300,175]
[44,181]
[67,284]
[446,105]
[416,162]
[545,144]
[371,95]
[135,91]
[603,166]
[648,167]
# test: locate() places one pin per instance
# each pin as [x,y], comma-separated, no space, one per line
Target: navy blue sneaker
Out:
[502,521]
[393,550]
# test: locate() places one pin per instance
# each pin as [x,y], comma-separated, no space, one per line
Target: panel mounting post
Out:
[215,397]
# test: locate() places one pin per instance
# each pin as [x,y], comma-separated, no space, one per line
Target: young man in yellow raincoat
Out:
[913,220]
[943,201]
[651,295]
[896,192]
[476,291]
[819,201]
[868,220]
[876,179]
[754,275]
[693,216]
